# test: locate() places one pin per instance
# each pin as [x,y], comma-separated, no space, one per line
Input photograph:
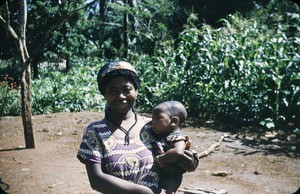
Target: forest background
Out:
[237,62]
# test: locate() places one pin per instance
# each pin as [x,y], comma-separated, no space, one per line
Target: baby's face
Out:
[161,122]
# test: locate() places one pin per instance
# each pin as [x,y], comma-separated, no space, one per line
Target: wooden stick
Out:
[212,147]
[198,190]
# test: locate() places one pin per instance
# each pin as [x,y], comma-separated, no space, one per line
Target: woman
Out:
[117,150]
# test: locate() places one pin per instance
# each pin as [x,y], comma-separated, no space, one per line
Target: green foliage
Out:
[73,91]
[154,24]
[9,96]
[57,91]
[248,70]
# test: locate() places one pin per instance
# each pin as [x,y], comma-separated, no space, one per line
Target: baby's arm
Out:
[172,155]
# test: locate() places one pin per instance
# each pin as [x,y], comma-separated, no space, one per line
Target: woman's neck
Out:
[119,117]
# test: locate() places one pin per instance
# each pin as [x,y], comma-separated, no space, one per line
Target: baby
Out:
[167,119]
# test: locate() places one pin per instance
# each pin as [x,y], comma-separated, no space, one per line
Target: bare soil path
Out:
[246,166]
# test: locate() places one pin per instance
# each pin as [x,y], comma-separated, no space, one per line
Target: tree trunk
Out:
[68,62]
[25,81]
[126,33]
[26,106]
[35,69]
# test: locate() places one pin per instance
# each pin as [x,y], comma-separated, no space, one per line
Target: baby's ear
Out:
[175,121]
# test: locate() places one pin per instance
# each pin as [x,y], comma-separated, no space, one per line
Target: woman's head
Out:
[116,69]
[118,82]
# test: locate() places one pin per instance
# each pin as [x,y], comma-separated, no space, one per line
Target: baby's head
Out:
[168,116]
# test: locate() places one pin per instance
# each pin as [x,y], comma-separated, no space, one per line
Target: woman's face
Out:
[120,94]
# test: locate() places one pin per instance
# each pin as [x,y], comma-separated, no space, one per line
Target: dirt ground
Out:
[248,164]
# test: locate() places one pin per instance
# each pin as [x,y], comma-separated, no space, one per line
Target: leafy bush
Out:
[10,103]
[243,71]
[247,71]
[75,90]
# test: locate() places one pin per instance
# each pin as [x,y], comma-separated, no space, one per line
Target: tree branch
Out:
[212,147]
[23,23]
[7,25]
[58,24]
[199,190]
[22,39]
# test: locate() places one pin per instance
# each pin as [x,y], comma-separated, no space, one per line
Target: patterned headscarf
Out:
[116,68]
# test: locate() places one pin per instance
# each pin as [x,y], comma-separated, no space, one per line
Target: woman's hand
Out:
[189,161]
[109,184]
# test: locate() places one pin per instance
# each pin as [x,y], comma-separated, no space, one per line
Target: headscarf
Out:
[116,68]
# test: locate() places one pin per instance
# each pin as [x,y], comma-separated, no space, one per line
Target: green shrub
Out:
[247,71]
[10,103]
[59,91]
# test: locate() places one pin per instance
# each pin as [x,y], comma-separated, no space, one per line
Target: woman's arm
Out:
[109,184]
[189,161]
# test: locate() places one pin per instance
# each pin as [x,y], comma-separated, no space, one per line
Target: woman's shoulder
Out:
[98,128]
[97,124]
[146,122]
[147,125]
[144,119]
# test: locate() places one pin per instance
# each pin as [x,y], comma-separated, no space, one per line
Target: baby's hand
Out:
[188,144]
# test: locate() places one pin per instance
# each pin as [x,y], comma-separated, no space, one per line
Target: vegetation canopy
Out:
[242,67]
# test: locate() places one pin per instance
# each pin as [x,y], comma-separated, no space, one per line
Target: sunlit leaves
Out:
[246,70]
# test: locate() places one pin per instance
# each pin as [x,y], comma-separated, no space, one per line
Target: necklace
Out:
[126,132]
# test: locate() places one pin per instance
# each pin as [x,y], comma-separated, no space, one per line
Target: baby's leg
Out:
[170,183]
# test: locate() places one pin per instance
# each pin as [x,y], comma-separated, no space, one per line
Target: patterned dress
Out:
[133,162]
